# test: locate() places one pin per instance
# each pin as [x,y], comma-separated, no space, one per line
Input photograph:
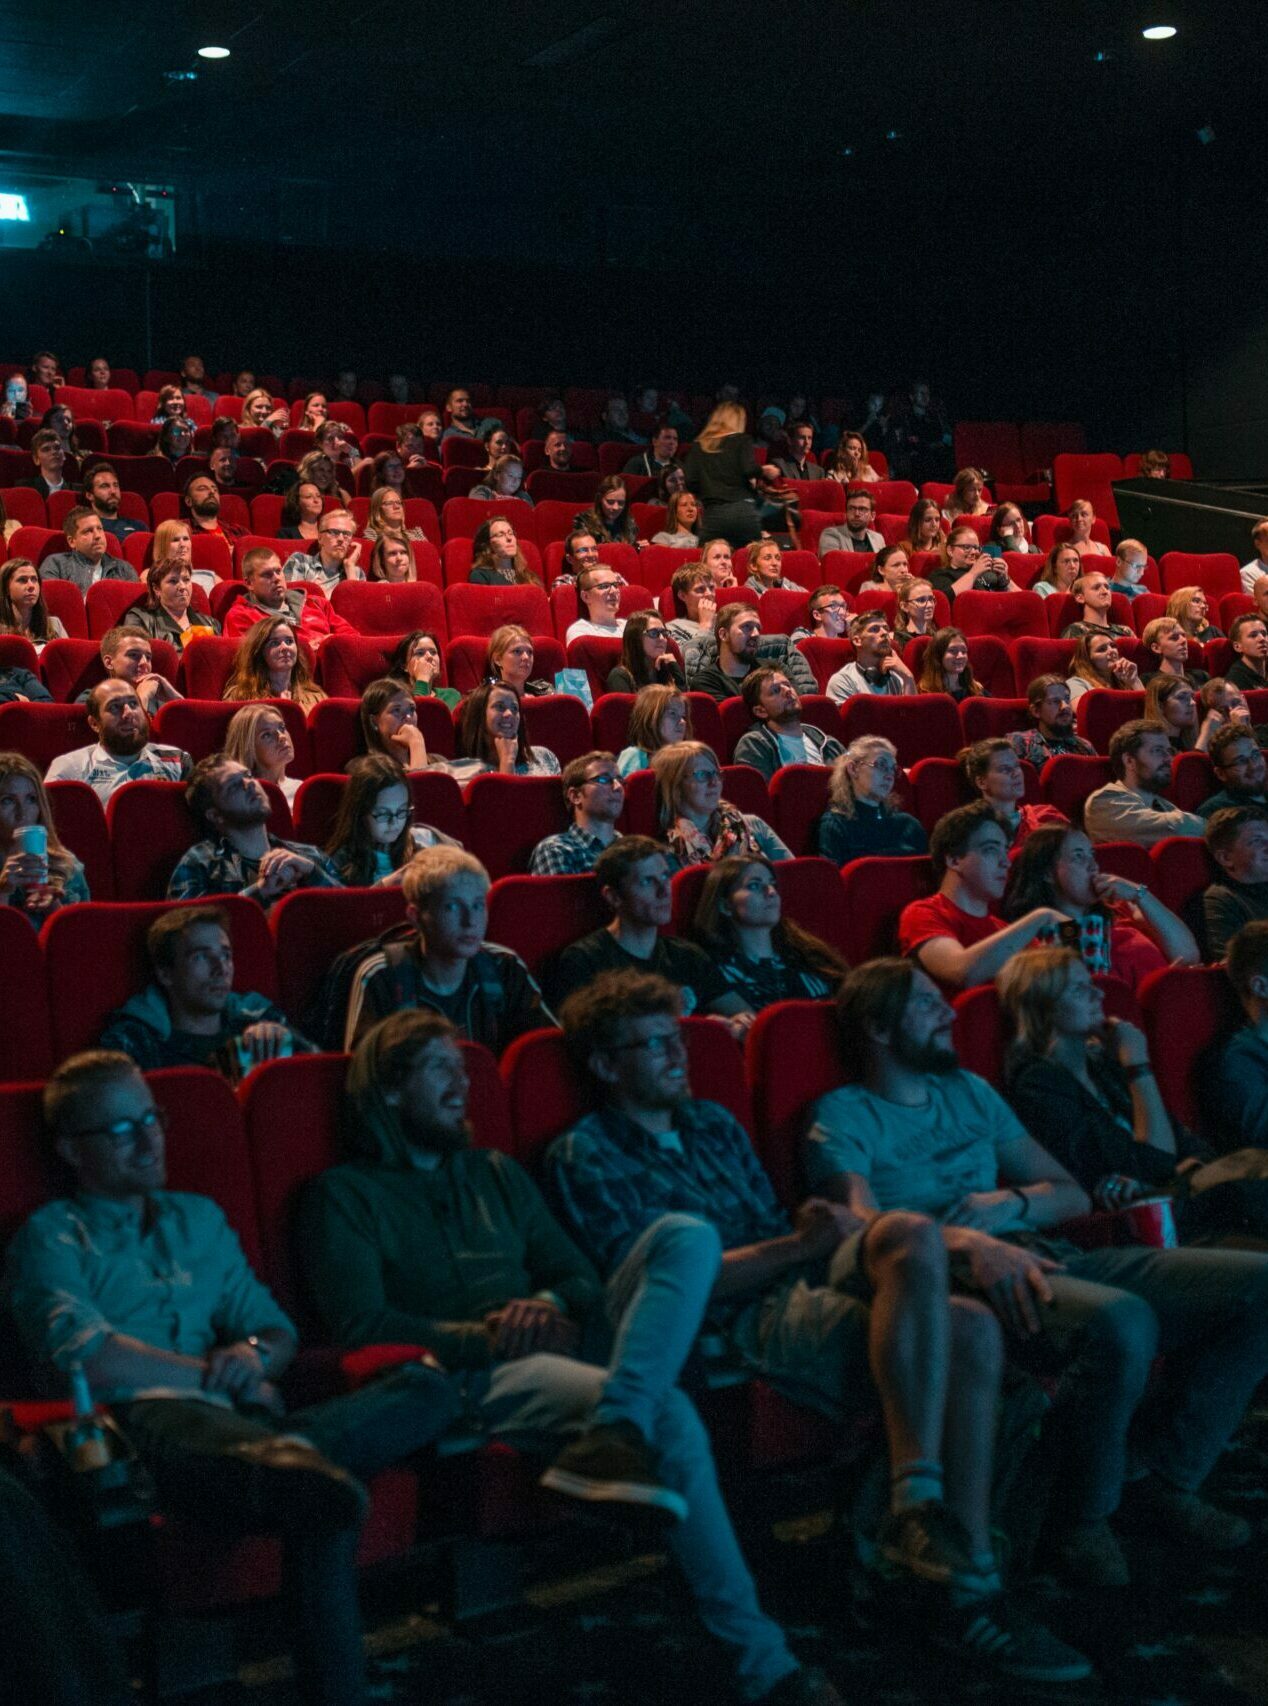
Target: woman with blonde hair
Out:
[917,611]
[1061,568]
[721,469]
[166,612]
[763,956]
[699,826]
[716,555]
[945,667]
[34,883]
[258,411]
[316,412]
[1191,608]
[682,523]
[660,716]
[22,607]
[1097,662]
[863,816]
[854,445]
[966,496]
[508,661]
[318,467]
[387,517]
[258,737]
[392,560]
[270,664]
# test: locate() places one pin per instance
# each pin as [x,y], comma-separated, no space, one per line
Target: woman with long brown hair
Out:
[270,664]
[763,956]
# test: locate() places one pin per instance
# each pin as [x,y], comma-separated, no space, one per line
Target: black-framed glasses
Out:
[657,1046]
[125,1133]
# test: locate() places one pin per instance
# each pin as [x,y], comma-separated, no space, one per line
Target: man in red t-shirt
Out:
[954,935]
[267,594]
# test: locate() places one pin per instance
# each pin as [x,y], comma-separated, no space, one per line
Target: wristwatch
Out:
[261,1349]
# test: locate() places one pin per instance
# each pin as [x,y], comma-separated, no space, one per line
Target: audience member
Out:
[557,451]
[797,463]
[391,561]
[646,656]
[1130,808]
[1062,567]
[389,724]
[807,1302]
[718,663]
[662,453]
[682,523]
[417,661]
[374,835]
[238,853]
[508,1303]
[1239,1098]
[1009,531]
[864,818]
[966,496]
[1131,559]
[1167,652]
[88,560]
[828,615]
[780,737]
[1237,840]
[1239,768]
[660,716]
[1093,592]
[257,737]
[633,875]
[991,768]
[1097,662]
[1257,567]
[916,1133]
[1120,928]
[946,667]
[695,603]
[201,497]
[599,594]
[123,751]
[104,494]
[463,422]
[167,612]
[127,655]
[965,567]
[23,610]
[1082,519]
[1173,702]
[36,883]
[509,659]
[764,560]
[859,534]
[595,798]
[149,1292]
[925,531]
[739,923]
[608,517]
[306,609]
[301,511]
[1248,636]
[699,826]
[1191,608]
[892,571]
[484,990]
[718,558]
[387,517]
[492,738]
[496,558]
[581,552]
[876,667]
[721,469]
[337,557]
[954,935]
[917,615]
[49,455]
[270,664]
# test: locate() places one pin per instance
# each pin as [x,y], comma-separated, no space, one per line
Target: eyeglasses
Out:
[337,532]
[704,776]
[605,586]
[659,1046]
[386,817]
[124,1134]
[606,780]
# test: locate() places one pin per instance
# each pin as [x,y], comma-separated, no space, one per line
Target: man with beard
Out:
[780,737]
[423,1238]
[912,1131]
[953,935]
[858,534]
[240,855]
[267,594]
[717,663]
[123,751]
[1131,807]
[88,560]
[1049,704]
[843,1312]
[202,508]
[128,655]
[101,488]
[875,667]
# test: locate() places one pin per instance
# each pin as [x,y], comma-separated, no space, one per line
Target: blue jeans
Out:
[1205,1312]
[656,1300]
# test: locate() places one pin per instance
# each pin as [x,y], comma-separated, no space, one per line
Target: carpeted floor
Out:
[1189,1632]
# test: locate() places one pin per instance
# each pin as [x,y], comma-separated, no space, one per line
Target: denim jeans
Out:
[194,1450]
[656,1300]
[1205,1312]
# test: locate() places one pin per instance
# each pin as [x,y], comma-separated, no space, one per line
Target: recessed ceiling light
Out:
[223,52]
[1159,32]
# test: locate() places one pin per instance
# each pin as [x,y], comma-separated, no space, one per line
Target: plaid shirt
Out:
[570,854]
[1036,748]
[610,1180]
[214,867]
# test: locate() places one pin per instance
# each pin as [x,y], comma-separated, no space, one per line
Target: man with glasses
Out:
[780,737]
[829,613]
[148,1292]
[1239,768]
[633,876]
[190,1014]
[267,594]
[876,667]
[595,795]
[336,556]
[1237,840]
[599,591]
[858,534]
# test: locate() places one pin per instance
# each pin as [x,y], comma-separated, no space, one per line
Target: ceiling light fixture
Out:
[1159,32]
[223,52]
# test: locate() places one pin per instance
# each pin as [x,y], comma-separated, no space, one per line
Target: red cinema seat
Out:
[42,731]
[70,667]
[465,657]
[108,602]
[23,504]
[874,891]
[782,611]
[994,445]
[799,798]
[804,1032]
[559,500]
[1061,610]
[110,937]
[1216,572]
[347,664]
[1193,780]
[199,726]
[1125,859]
[1181,872]
[80,820]
[825,658]
[1181,466]
[481,609]
[1232,605]
[848,570]
[1032,657]
[540,916]
[207,665]
[312,926]
[1091,477]
[16,652]
[461,517]
[456,558]
[565,607]
[658,564]
[66,602]
[981,718]
[547,1094]
[508,815]
[610,722]
[131,438]
[1007,615]
[926,726]
[375,607]
[558,721]
[1100,711]
[936,788]
[151,829]
[1067,780]
[597,654]
[980,1029]
[25,1048]
[989,658]
[1190,1013]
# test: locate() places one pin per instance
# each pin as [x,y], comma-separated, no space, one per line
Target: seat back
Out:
[508,815]
[540,916]
[926,726]
[481,609]
[874,891]
[799,798]
[1216,572]
[981,718]
[43,732]
[1101,710]
[1190,1013]
[804,1032]
[1008,615]
[1181,871]
[1080,476]
[25,1047]
[311,927]
[558,721]
[377,607]
[81,824]
[1068,779]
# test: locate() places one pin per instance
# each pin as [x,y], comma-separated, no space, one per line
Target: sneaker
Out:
[611,1463]
[1150,1506]
[805,1686]
[1007,1641]
[1089,1556]
[926,1541]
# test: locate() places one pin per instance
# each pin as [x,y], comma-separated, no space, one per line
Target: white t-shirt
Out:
[584,627]
[1251,572]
